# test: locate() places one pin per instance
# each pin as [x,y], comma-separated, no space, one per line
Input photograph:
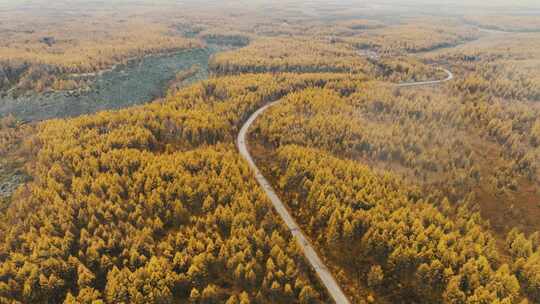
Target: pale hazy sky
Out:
[447,3]
[442,4]
[481,3]
[429,2]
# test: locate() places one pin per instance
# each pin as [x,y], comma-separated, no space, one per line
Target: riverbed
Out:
[138,82]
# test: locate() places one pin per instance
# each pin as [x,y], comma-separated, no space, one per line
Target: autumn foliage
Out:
[424,194]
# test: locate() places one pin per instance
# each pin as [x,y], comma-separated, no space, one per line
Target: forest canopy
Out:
[412,186]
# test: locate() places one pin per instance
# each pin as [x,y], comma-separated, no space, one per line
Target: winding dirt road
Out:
[322,271]
[313,258]
[426,83]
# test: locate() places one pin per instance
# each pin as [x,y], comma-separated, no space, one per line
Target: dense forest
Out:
[167,174]
[409,194]
[385,236]
[271,55]
[423,140]
[415,35]
[429,138]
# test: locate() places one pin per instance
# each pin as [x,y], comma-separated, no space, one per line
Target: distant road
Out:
[493,31]
[426,83]
[317,264]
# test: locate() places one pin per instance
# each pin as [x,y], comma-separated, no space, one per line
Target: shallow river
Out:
[135,83]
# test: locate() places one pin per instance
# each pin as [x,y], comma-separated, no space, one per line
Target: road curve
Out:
[426,83]
[317,264]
